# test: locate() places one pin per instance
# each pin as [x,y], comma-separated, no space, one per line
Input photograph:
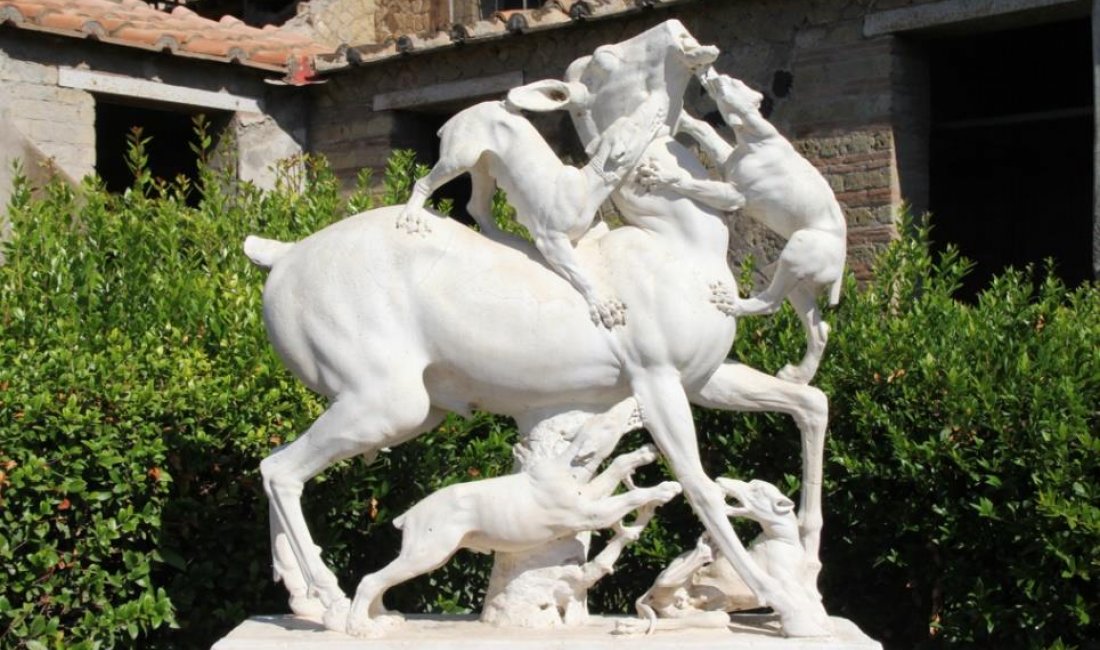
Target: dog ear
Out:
[783,506]
[728,486]
[548,95]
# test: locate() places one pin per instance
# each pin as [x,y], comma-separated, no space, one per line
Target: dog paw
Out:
[608,313]
[724,299]
[667,491]
[336,616]
[648,453]
[650,176]
[755,306]
[412,220]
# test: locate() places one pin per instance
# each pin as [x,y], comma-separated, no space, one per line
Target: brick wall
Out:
[359,22]
[859,166]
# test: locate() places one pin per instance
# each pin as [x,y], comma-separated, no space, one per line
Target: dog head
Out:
[758,500]
[734,97]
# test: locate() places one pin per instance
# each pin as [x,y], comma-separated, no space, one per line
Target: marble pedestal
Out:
[427,632]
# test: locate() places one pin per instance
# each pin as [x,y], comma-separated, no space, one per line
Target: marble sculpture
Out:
[400,315]
[698,588]
[766,179]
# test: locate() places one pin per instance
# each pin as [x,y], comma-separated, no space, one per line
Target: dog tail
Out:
[646,612]
[399,523]
[264,253]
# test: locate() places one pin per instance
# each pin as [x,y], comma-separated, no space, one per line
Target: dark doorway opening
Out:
[171,131]
[1011,152]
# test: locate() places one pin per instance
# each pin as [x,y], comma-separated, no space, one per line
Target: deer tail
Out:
[265,252]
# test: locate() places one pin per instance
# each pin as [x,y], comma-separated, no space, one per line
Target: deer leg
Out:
[285,472]
[289,572]
[736,387]
[349,427]
[667,415]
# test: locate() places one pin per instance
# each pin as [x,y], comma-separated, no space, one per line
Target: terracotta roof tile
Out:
[142,36]
[29,10]
[270,57]
[61,21]
[182,32]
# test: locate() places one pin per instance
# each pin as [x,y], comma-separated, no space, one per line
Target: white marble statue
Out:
[498,146]
[397,330]
[507,513]
[767,179]
[697,589]
[547,586]
[554,591]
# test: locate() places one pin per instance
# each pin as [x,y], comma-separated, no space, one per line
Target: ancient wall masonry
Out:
[39,116]
[49,124]
[860,168]
[364,22]
[828,88]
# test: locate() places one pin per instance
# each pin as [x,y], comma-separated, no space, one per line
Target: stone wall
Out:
[52,129]
[46,129]
[359,22]
[335,22]
[829,88]
[42,122]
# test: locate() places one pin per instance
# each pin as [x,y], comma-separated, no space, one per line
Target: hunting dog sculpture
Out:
[512,513]
[698,588]
[498,146]
[768,180]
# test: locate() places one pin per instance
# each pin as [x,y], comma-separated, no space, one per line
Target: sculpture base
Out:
[438,632]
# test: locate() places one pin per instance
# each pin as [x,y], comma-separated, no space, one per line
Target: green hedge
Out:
[138,394]
[963,465]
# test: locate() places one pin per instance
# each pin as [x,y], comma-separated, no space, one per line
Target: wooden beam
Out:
[112,84]
[448,92]
[948,12]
